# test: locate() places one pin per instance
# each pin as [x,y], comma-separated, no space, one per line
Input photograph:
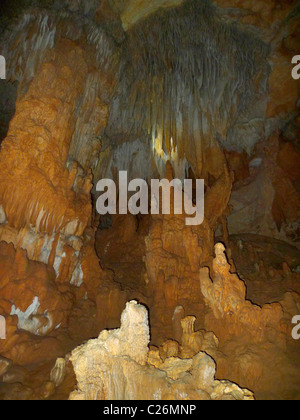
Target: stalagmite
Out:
[109,368]
[173,106]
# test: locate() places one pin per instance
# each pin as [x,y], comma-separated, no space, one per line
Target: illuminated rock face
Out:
[32,304]
[46,318]
[116,367]
[48,111]
[123,85]
[226,296]
[247,332]
[137,10]
[52,144]
[175,99]
[41,198]
[175,252]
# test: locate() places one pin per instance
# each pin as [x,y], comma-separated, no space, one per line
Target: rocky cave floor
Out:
[269,268]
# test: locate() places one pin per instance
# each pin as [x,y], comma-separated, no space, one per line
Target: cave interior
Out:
[161,89]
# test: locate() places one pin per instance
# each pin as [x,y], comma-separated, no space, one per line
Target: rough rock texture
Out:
[247,333]
[226,296]
[116,367]
[133,10]
[175,252]
[33,306]
[157,258]
[33,163]
[52,144]
[276,213]
[94,87]
[37,142]
[269,267]
[44,318]
[267,201]
[175,100]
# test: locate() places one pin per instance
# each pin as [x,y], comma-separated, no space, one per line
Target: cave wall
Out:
[122,117]
[52,143]
[109,86]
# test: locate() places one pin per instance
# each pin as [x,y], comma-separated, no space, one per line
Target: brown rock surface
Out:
[195,89]
[252,338]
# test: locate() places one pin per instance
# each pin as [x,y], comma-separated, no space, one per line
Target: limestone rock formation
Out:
[182,89]
[226,296]
[116,367]
[31,302]
[58,372]
[4,366]
[47,157]
[246,332]
[133,10]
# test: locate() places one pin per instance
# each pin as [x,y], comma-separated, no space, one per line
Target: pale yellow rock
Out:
[169,349]
[188,329]
[4,365]
[58,372]
[203,371]
[195,342]
[176,368]
[136,10]
[133,338]
[154,358]
[227,390]
[114,367]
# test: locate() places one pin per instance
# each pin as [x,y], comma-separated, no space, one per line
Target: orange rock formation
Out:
[181,89]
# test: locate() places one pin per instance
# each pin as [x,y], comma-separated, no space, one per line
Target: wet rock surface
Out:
[110,368]
[161,88]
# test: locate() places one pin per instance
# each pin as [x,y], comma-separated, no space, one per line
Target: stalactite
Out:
[27,45]
[40,155]
[188,75]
